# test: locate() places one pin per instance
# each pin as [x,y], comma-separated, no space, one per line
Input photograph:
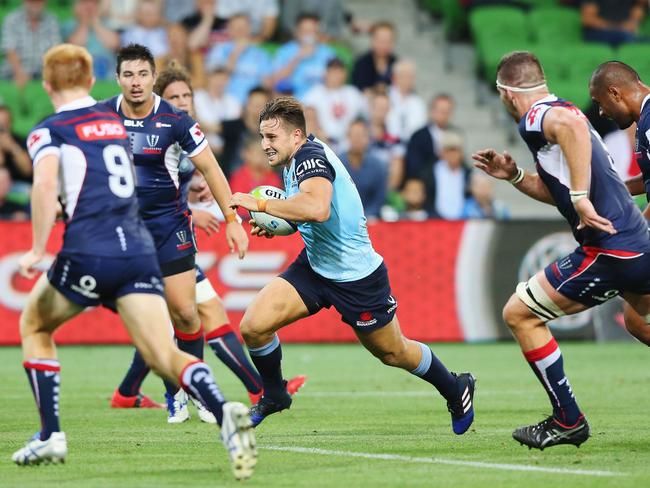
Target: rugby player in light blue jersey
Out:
[338,267]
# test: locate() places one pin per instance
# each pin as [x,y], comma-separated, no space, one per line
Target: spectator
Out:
[263,15]
[407,110]
[414,196]
[8,209]
[27,33]
[247,63]
[385,146]
[149,31]
[376,66]
[300,64]
[13,154]
[89,30]
[336,103]
[332,14]
[481,203]
[313,125]
[367,171]
[447,181]
[204,27]
[423,149]
[214,106]
[612,21]
[255,171]
[119,14]
[235,132]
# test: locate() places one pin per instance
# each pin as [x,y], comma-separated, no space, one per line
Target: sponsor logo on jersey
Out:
[162,124]
[37,139]
[152,139]
[534,117]
[181,235]
[98,130]
[86,286]
[310,164]
[133,123]
[393,304]
[197,134]
[366,319]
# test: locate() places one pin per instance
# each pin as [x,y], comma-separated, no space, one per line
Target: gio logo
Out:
[152,140]
[133,123]
[308,164]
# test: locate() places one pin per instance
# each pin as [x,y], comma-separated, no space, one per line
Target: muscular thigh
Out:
[384,340]
[46,308]
[180,291]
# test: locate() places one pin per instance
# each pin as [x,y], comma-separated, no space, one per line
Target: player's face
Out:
[509,103]
[278,142]
[611,105]
[136,79]
[180,96]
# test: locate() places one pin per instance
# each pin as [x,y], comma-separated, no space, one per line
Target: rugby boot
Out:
[551,432]
[462,407]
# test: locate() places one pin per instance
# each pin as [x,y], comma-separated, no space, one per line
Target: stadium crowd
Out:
[405,155]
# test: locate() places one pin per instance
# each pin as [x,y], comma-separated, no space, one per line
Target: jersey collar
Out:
[156,103]
[83,102]
[548,98]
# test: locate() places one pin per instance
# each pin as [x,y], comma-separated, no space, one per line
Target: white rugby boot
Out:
[238,435]
[36,451]
[177,407]
[204,414]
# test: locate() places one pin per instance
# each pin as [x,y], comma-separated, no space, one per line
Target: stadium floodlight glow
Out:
[519,89]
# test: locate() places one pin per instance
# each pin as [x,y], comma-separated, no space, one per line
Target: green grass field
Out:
[351,404]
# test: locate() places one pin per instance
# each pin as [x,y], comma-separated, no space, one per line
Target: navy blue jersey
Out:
[607,192]
[159,142]
[642,146]
[97,188]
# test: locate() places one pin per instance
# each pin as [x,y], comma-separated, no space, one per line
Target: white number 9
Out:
[119,166]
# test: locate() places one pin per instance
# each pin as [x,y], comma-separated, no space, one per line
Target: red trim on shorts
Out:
[41,366]
[219,332]
[180,376]
[188,337]
[541,352]
[590,250]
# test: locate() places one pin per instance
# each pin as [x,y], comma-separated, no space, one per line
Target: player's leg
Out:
[637,316]
[278,304]
[45,311]
[147,319]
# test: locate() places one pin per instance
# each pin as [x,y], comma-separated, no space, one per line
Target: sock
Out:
[135,376]
[43,375]
[267,359]
[197,380]
[548,366]
[191,344]
[433,371]
[229,350]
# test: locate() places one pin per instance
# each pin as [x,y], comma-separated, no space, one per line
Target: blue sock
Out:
[196,379]
[229,350]
[135,376]
[548,366]
[433,371]
[44,378]
[268,359]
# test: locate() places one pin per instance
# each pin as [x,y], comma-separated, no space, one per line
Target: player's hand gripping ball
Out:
[271,224]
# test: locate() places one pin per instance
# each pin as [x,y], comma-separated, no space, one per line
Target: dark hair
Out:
[382,24]
[442,96]
[520,68]
[135,52]
[173,73]
[307,16]
[259,90]
[287,110]
[613,73]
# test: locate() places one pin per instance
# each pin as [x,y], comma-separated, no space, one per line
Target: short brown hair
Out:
[287,110]
[520,68]
[173,73]
[382,24]
[68,66]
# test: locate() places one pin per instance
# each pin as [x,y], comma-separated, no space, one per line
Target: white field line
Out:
[406,393]
[451,462]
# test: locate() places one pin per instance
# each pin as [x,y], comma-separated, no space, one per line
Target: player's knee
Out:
[186,317]
[251,330]
[395,357]
[29,323]
[514,313]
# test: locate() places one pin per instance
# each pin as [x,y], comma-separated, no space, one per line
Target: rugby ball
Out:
[273,225]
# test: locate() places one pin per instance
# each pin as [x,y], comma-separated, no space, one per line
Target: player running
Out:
[576,174]
[108,257]
[159,134]
[338,267]
[617,89]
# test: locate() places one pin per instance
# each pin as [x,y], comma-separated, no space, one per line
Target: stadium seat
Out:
[344,53]
[581,60]
[636,55]
[454,17]
[104,89]
[555,25]
[270,47]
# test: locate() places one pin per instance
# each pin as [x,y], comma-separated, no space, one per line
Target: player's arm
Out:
[504,167]
[207,165]
[635,185]
[563,127]
[44,209]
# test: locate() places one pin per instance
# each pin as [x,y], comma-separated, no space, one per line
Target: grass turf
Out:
[350,403]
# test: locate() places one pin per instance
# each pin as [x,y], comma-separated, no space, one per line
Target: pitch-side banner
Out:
[422,259]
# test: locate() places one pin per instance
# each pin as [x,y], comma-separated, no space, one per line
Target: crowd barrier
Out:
[450,280]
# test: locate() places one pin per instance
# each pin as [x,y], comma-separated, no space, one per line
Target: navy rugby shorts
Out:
[365,304]
[176,248]
[97,280]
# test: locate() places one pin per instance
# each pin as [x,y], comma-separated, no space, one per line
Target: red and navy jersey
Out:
[96,180]
[159,142]
[607,192]
[642,145]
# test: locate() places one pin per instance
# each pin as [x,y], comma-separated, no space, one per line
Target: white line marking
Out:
[451,462]
[394,394]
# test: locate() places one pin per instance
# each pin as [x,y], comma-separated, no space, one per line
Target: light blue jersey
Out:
[338,249]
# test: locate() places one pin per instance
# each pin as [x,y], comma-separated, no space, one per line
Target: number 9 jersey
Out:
[96,180]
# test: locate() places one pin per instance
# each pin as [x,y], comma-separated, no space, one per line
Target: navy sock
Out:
[44,378]
[229,350]
[268,359]
[433,371]
[191,344]
[197,380]
[135,376]
[548,366]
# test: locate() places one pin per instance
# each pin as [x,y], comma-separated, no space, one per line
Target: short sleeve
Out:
[190,136]
[42,142]
[312,166]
